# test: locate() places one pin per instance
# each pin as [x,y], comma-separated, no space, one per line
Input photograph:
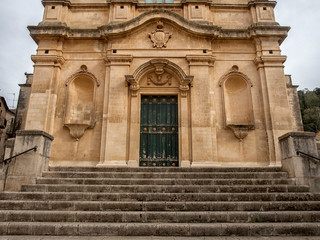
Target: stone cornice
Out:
[136,2]
[63,2]
[113,29]
[262,2]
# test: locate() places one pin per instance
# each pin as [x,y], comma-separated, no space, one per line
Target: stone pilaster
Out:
[201,127]
[43,97]
[115,122]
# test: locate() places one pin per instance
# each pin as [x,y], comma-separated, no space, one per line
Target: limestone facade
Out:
[220,58]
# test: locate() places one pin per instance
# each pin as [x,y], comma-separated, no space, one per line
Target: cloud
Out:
[301,46]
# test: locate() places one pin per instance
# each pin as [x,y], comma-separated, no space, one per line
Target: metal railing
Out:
[19,154]
[308,155]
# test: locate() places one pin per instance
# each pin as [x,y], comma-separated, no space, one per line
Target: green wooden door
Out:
[159,131]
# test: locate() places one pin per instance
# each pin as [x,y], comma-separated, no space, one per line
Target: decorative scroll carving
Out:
[134,85]
[160,80]
[159,37]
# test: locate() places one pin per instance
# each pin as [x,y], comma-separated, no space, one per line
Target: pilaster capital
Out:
[118,60]
[201,60]
[270,61]
[48,60]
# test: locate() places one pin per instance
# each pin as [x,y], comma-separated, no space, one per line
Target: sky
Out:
[16,46]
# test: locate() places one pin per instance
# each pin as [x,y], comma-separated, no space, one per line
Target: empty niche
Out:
[238,110]
[80,107]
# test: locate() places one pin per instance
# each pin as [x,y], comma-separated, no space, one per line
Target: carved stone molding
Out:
[240,131]
[270,61]
[160,80]
[159,37]
[200,60]
[77,129]
[48,60]
[83,72]
[118,59]
[134,85]
[159,67]
[235,72]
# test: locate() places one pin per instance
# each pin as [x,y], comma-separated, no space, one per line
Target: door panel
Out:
[159,131]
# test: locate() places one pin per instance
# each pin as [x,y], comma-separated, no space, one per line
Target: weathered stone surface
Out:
[281,209]
[296,149]
[96,59]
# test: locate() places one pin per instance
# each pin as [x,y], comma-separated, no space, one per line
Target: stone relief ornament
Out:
[160,80]
[159,37]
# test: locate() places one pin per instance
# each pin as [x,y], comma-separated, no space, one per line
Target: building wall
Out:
[23,101]
[94,60]
[6,125]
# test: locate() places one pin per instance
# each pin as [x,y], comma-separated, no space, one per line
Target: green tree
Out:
[310,109]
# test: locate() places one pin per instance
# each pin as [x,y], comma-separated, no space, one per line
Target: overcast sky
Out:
[301,47]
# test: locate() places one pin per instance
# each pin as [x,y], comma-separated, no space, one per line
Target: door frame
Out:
[177,115]
[184,121]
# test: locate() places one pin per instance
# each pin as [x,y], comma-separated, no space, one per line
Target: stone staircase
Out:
[183,202]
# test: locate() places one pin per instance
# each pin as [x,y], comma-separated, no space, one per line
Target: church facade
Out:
[161,83]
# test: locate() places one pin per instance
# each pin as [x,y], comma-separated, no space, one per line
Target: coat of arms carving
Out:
[159,37]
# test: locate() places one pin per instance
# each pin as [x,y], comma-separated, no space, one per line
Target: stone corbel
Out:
[133,85]
[240,131]
[77,129]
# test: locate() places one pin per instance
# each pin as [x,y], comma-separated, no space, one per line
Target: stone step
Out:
[85,196]
[160,229]
[166,169]
[162,175]
[162,188]
[158,217]
[168,181]
[26,237]
[159,206]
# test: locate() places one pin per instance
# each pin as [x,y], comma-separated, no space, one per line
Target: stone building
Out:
[6,125]
[22,105]
[161,83]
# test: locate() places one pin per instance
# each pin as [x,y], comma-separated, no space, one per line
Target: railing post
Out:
[24,169]
[302,168]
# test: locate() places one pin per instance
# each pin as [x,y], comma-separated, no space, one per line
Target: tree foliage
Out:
[310,109]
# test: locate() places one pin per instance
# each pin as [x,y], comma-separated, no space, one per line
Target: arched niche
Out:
[80,102]
[237,101]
